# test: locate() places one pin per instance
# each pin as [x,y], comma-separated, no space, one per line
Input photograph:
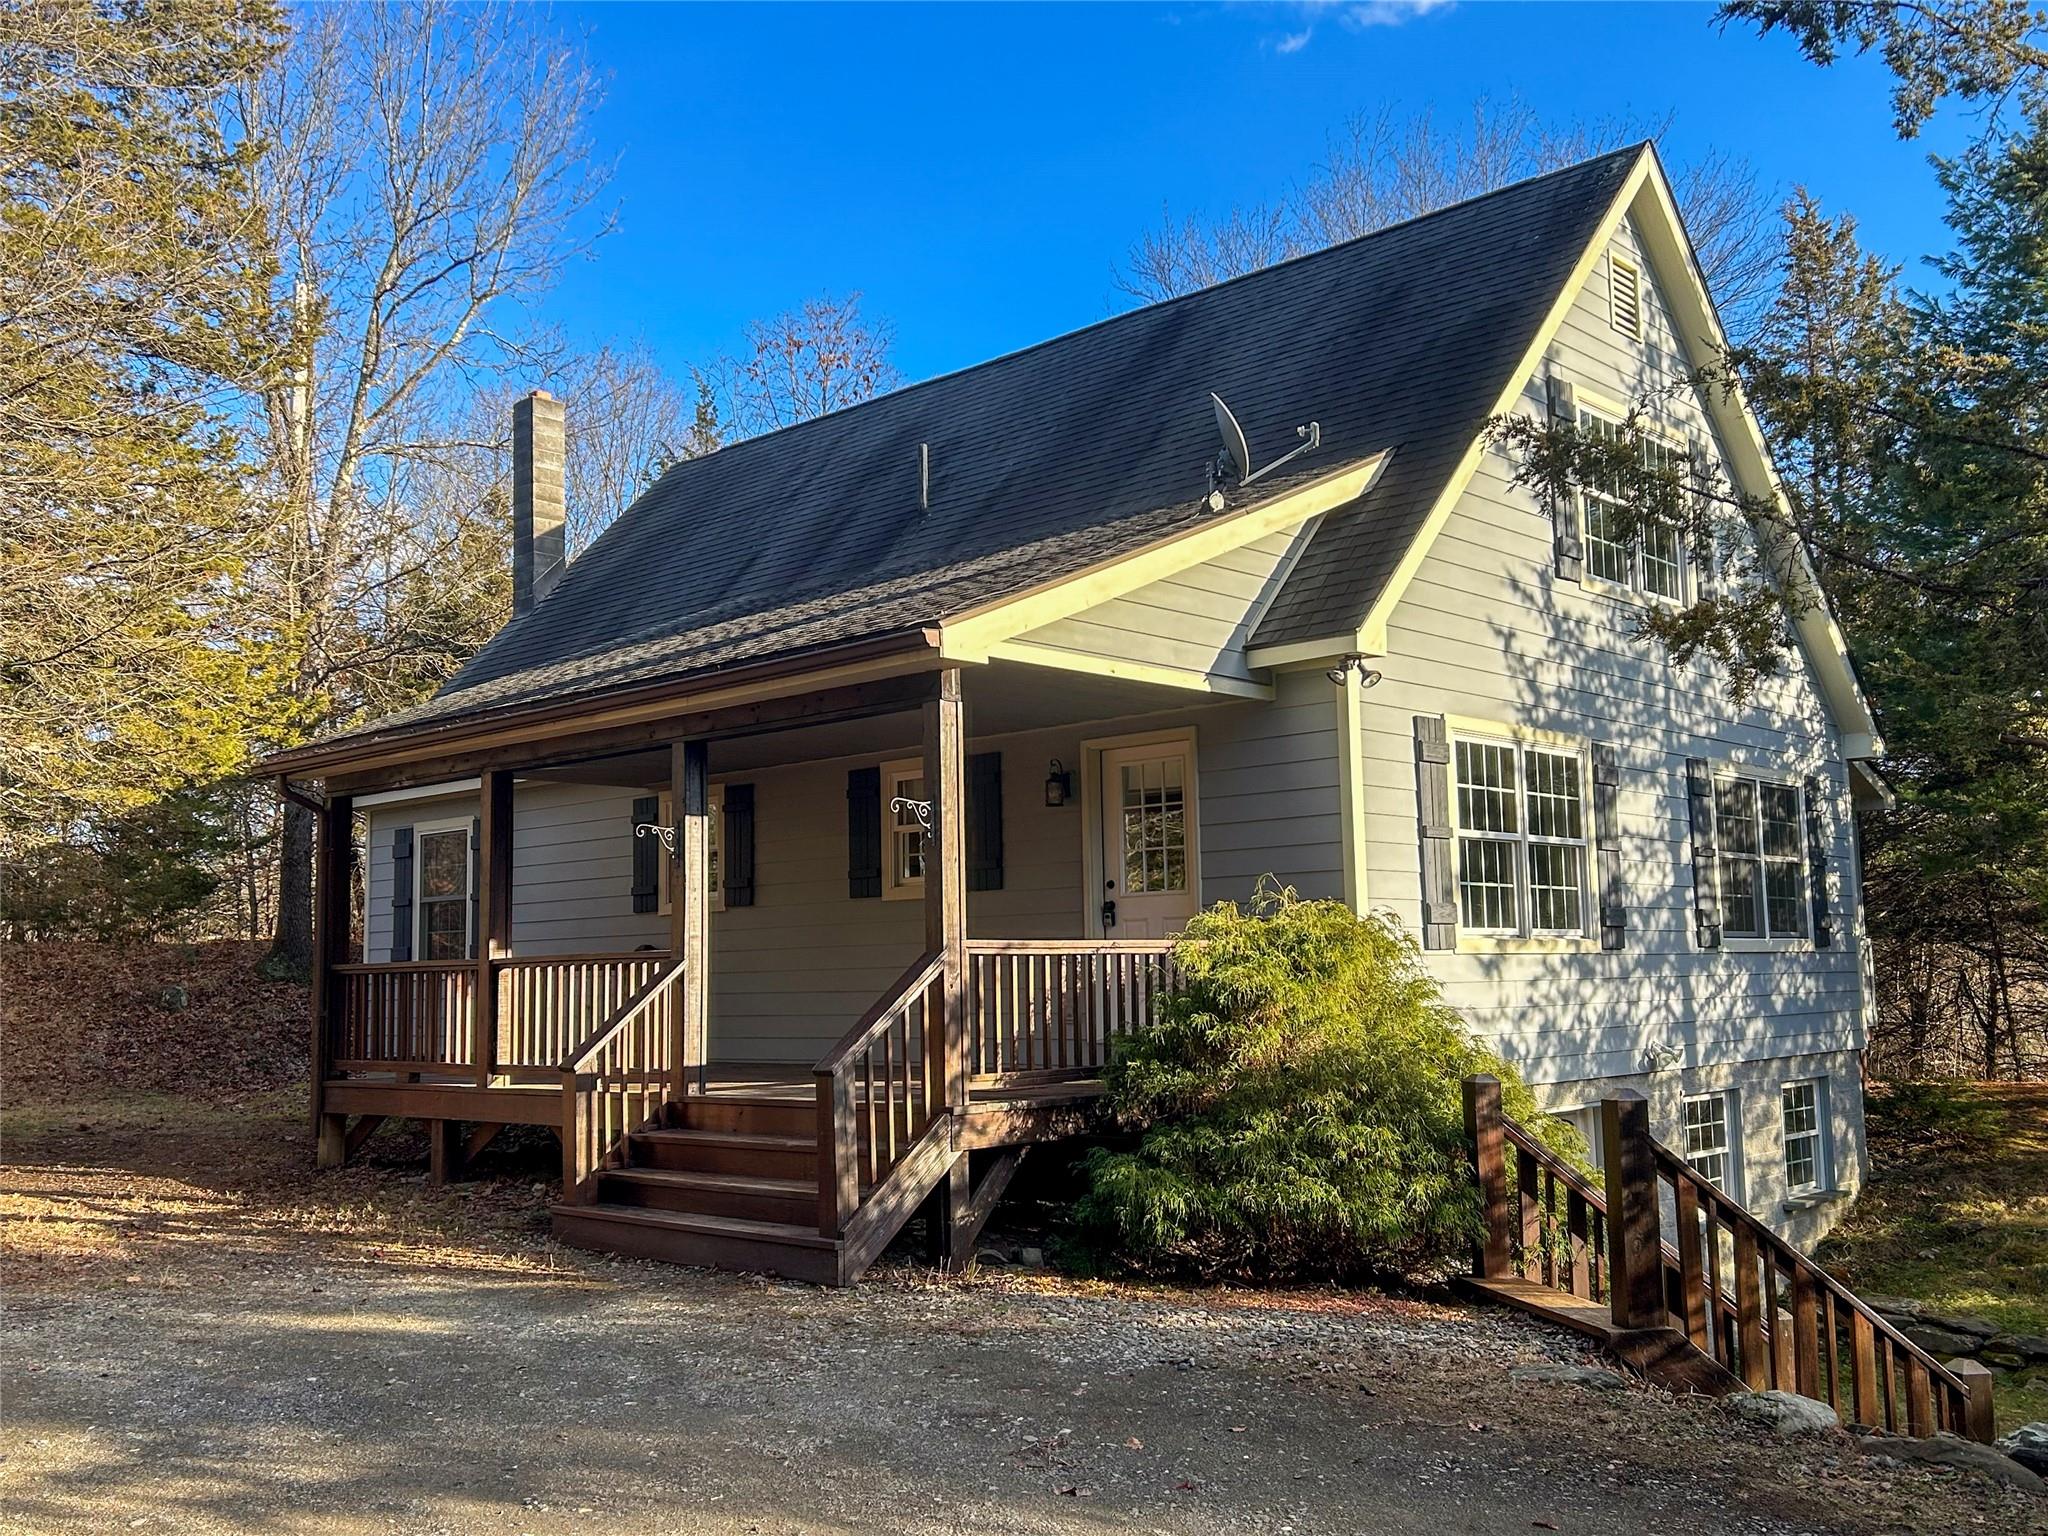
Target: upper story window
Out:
[1654,560]
[1625,296]
[1758,824]
[1521,830]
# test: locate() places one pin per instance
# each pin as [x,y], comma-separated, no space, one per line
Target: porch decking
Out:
[802,1172]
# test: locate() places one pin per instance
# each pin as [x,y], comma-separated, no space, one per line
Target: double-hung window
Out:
[1521,829]
[1806,1162]
[441,875]
[1758,824]
[1705,1125]
[902,832]
[714,840]
[1651,561]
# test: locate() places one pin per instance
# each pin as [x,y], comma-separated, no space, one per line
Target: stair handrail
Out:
[1956,1397]
[839,1147]
[594,1126]
[585,1051]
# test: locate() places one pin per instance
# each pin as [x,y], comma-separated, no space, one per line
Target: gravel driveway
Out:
[217,1347]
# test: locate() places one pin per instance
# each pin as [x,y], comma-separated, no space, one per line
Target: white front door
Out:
[1148,840]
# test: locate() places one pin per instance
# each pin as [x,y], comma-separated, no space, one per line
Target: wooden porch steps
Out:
[712,1194]
[719,1242]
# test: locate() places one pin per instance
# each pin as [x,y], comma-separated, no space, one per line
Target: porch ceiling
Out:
[1002,697]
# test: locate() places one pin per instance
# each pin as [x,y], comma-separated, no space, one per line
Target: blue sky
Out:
[978,170]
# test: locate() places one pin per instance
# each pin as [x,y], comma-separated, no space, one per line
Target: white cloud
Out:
[1389,13]
[1294,42]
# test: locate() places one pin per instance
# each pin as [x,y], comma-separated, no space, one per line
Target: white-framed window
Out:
[1804,1109]
[1625,295]
[1521,818]
[1705,1118]
[442,867]
[715,809]
[902,833]
[1653,562]
[1760,826]
[1586,1121]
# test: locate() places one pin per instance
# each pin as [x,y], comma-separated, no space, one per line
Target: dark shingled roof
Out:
[1080,448]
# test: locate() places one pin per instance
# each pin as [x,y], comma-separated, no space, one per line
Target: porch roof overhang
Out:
[608,720]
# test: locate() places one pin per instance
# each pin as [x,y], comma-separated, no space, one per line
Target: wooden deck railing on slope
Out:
[1045,1009]
[882,1097]
[618,1078]
[409,1017]
[1688,1258]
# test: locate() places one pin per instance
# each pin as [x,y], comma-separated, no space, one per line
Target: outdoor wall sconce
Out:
[1059,784]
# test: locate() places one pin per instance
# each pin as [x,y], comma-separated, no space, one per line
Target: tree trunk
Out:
[291,950]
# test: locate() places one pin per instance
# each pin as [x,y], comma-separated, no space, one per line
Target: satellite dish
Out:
[1235,461]
[1234,445]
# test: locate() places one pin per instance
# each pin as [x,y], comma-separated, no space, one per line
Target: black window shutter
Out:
[646,855]
[1607,847]
[401,893]
[1817,865]
[1571,553]
[476,882]
[1433,799]
[736,852]
[863,832]
[1706,853]
[985,821]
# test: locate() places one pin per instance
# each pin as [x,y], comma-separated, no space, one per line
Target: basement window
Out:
[1706,1139]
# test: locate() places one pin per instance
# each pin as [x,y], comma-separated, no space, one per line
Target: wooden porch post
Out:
[945,879]
[689,933]
[1495,1257]
[493,916]
[333,854]
[1635,1252]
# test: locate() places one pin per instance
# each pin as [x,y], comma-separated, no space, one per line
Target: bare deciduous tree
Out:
[810,360]
[1384,167]
[425,172]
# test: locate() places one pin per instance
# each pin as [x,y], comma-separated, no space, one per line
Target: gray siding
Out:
[1197,620]
[791,973]
[1487,631]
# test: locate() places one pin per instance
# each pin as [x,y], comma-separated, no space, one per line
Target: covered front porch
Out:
[827,916]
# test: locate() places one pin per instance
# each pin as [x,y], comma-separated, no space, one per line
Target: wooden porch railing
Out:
[416,1016]
[880,1090]
[547,1003]
[619,1076]
[1049,1008]
[419,1016]
[1682,1256]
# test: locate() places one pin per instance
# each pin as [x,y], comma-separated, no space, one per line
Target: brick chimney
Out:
[539,549]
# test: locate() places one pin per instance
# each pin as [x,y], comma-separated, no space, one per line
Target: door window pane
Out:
[1155,834]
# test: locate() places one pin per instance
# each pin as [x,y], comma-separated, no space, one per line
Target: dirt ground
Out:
[203,1335]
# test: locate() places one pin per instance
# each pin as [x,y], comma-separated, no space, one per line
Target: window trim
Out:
[1591,404]
[1766,942]
[1615,262]
[466,825]
[714,811]
[894,775]
[1823,1140]
[1731,1138]
[1527,939]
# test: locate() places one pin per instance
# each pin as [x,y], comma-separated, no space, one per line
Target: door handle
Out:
[1109,913]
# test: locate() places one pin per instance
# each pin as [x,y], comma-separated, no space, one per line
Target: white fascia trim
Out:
[970,636]
[418,792]
[1033,654]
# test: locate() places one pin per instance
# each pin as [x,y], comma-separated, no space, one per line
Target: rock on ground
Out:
[1947,1450]
[1784,1413]
[2028,1445]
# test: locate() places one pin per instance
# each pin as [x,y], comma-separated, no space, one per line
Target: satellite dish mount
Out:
[1233,465]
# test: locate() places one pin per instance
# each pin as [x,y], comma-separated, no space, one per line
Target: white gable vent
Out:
[1625,296]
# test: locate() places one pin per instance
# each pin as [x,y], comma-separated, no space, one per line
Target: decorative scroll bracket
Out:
[666,834]
[921,809]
